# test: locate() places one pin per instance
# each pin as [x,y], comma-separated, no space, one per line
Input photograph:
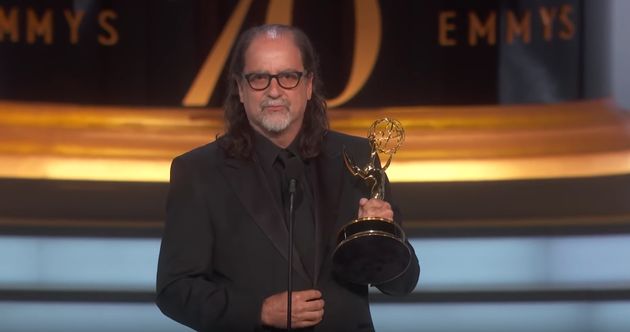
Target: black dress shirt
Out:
[273,163]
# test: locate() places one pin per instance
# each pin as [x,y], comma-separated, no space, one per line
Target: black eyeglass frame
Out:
[300,74]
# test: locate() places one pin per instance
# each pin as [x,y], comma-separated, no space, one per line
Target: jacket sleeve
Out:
[187,289]
[406,282]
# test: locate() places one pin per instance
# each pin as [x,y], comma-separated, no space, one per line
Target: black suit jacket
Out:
[224,247]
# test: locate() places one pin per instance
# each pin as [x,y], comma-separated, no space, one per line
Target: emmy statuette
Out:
[372,250]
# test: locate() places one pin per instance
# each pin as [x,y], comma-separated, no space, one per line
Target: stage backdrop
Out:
[373,53]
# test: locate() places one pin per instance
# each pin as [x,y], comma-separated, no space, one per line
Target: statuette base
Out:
[371,251]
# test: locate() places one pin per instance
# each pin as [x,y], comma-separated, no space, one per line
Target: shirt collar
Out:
[267,151]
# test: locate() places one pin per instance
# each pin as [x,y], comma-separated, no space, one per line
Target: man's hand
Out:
[375,208]
[307,309]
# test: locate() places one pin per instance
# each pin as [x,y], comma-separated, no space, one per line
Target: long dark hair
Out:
[237,140]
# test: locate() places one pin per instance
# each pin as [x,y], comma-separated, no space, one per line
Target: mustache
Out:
[274,102]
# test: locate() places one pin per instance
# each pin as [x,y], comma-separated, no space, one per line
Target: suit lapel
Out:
[248,183]
[328,191]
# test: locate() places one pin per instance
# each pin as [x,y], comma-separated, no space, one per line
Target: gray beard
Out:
[276,123]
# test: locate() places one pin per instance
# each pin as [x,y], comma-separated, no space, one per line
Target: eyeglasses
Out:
[286,79]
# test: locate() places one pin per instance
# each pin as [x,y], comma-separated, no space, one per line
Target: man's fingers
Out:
[308,300]
[375,208]
[374,203]
[306,295]
[313,305]
[308,308]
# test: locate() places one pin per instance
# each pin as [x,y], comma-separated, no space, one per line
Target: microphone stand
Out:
[292,187]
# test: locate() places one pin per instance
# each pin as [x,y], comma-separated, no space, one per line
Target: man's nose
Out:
[274,89]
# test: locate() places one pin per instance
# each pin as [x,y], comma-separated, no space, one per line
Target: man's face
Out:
[275,111]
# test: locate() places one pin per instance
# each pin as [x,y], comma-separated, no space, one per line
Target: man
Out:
[223,260]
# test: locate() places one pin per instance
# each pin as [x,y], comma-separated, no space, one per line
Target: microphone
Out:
[293,170]
[292,187]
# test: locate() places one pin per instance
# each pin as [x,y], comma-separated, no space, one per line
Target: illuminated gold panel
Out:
[202,87]
[577,139]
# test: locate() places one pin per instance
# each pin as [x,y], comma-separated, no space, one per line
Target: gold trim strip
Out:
[90,169]
[124,169]
[568,166]
[463,143]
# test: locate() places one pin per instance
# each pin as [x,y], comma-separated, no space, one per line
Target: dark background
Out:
[163,43]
